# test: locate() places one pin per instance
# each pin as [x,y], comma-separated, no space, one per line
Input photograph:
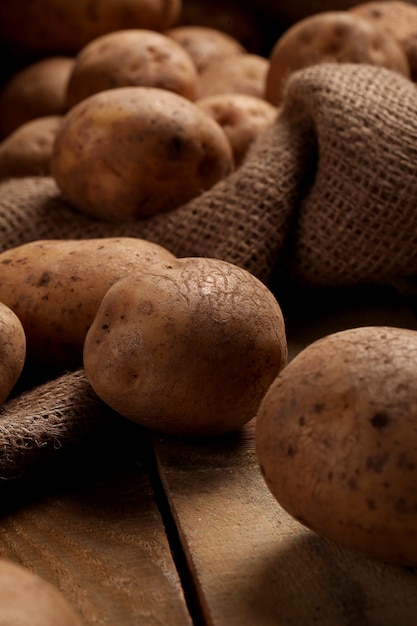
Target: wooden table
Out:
[170,532]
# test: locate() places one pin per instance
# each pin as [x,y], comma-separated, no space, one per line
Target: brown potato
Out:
[236,73]
[336,440]
[48,27]
[331,37]
[187,349]
[204,44]
[133,152]
[26,599]
[242,117]
[396,18]
[55,287]
[35,91]
[12,350]
[134,57]
[28,150]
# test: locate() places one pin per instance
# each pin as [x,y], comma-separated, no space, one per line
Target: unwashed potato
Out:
[55,287]
[45,27]
[35,91]
[27,151]
[242,117]
[330,37]
[396,18]
[12,351]
[235,73]
[133,152]
[336,440]
[27,599]
[131,57]
[205,44]
[187,349]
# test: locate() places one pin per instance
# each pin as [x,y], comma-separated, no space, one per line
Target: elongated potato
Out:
[188,348]
[26,599]
[336,439]
[12,350]
[133,152]
[55,288]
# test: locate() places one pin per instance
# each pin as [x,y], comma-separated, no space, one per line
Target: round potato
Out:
[27,151]
[331,37]
[235,73]
[396,18]
[55,287]
[12,350]
[35,91]
[204,44]
[242,117]
[187,349]
[26,599]
[133,152]
[48,27]
[135,57]
[336,440]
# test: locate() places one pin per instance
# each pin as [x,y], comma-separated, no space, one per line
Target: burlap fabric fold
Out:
[327,197]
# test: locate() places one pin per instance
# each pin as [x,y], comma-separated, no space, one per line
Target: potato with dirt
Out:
[188,348]
[56,286]
[133,152]
[336,440]
[12,350]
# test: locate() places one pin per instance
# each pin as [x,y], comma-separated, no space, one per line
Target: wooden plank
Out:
[250,562]
[96,533]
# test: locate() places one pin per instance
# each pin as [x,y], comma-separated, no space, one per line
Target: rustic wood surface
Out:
[171,532]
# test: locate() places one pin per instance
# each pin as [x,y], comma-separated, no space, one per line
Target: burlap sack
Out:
[328,196]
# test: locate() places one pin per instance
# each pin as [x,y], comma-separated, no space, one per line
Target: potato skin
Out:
[55,288]
[131,57]
[336,440]
[26,599]
[187,349]
[235,73]
[12,350]
[133,152]
[59,26]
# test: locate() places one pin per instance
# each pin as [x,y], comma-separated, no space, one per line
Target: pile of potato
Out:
[133,110]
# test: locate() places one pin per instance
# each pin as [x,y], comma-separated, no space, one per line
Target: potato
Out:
[27,599]
[55,287]
[336,440]
[28,150]
[186,349]
[204,44]
[12,350]
[396,18]
[35,91]
[331,36]
[242,117]
[133,152]
[131,57]
[46,27]
[237,73]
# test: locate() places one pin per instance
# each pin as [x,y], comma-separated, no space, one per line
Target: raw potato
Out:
[47,27]
[336,440]
[28,150]
[12,351]
[37,90]
[187,349]
[134,57]
[396,18]
[26,599]
[133,152]
[332,36]
[56,286]
[242,117]
[204,44]
[236,73]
